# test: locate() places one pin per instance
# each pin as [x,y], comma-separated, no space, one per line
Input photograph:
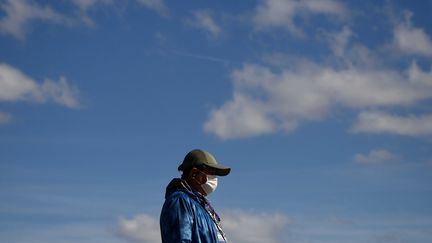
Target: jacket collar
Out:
[178,184]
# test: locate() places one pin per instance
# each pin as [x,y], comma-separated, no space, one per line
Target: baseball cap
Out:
[199,157]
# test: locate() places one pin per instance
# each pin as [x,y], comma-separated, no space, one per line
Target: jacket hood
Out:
[178,184]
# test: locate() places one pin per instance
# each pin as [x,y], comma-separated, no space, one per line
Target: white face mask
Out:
[210,185]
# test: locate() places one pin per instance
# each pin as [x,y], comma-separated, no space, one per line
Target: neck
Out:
[194,185]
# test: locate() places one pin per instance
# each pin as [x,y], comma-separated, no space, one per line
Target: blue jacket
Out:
[184,218]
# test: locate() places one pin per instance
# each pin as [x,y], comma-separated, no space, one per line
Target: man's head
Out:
[203,160]
[200,168]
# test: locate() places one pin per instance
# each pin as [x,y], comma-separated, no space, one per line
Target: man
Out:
[187,215]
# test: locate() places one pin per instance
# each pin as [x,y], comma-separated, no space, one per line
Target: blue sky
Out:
[321,108]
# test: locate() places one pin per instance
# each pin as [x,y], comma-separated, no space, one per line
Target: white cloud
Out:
[60,92]
[412,40]
[281,13]
[156,5]
[379,122]
[378,156]
[266,100]
[416,75]
[141,228]
[241,117]
[240,227]
[16,86]
[243,227]
[292,91]
[5,118]
[339,41]
[203,20]
[18,15]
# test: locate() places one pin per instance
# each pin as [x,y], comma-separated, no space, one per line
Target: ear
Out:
[198,176]
[193,172]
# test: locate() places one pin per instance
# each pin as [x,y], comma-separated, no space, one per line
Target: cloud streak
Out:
[5,118]
[156,5]
[85,5]
[381,123]
[377,156]
[203,20]
[19,14]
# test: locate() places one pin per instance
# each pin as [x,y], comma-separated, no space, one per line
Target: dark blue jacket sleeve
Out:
[177,219]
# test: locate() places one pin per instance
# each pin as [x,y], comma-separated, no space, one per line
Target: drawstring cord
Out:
[216,219]
[210,210]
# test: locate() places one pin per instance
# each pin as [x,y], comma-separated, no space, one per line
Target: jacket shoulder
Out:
[179,196]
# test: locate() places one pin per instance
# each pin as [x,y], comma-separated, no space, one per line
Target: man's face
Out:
[198,179]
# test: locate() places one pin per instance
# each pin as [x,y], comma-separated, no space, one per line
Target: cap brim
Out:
[218,170]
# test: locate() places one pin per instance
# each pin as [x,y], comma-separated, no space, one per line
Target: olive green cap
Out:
[199,157]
